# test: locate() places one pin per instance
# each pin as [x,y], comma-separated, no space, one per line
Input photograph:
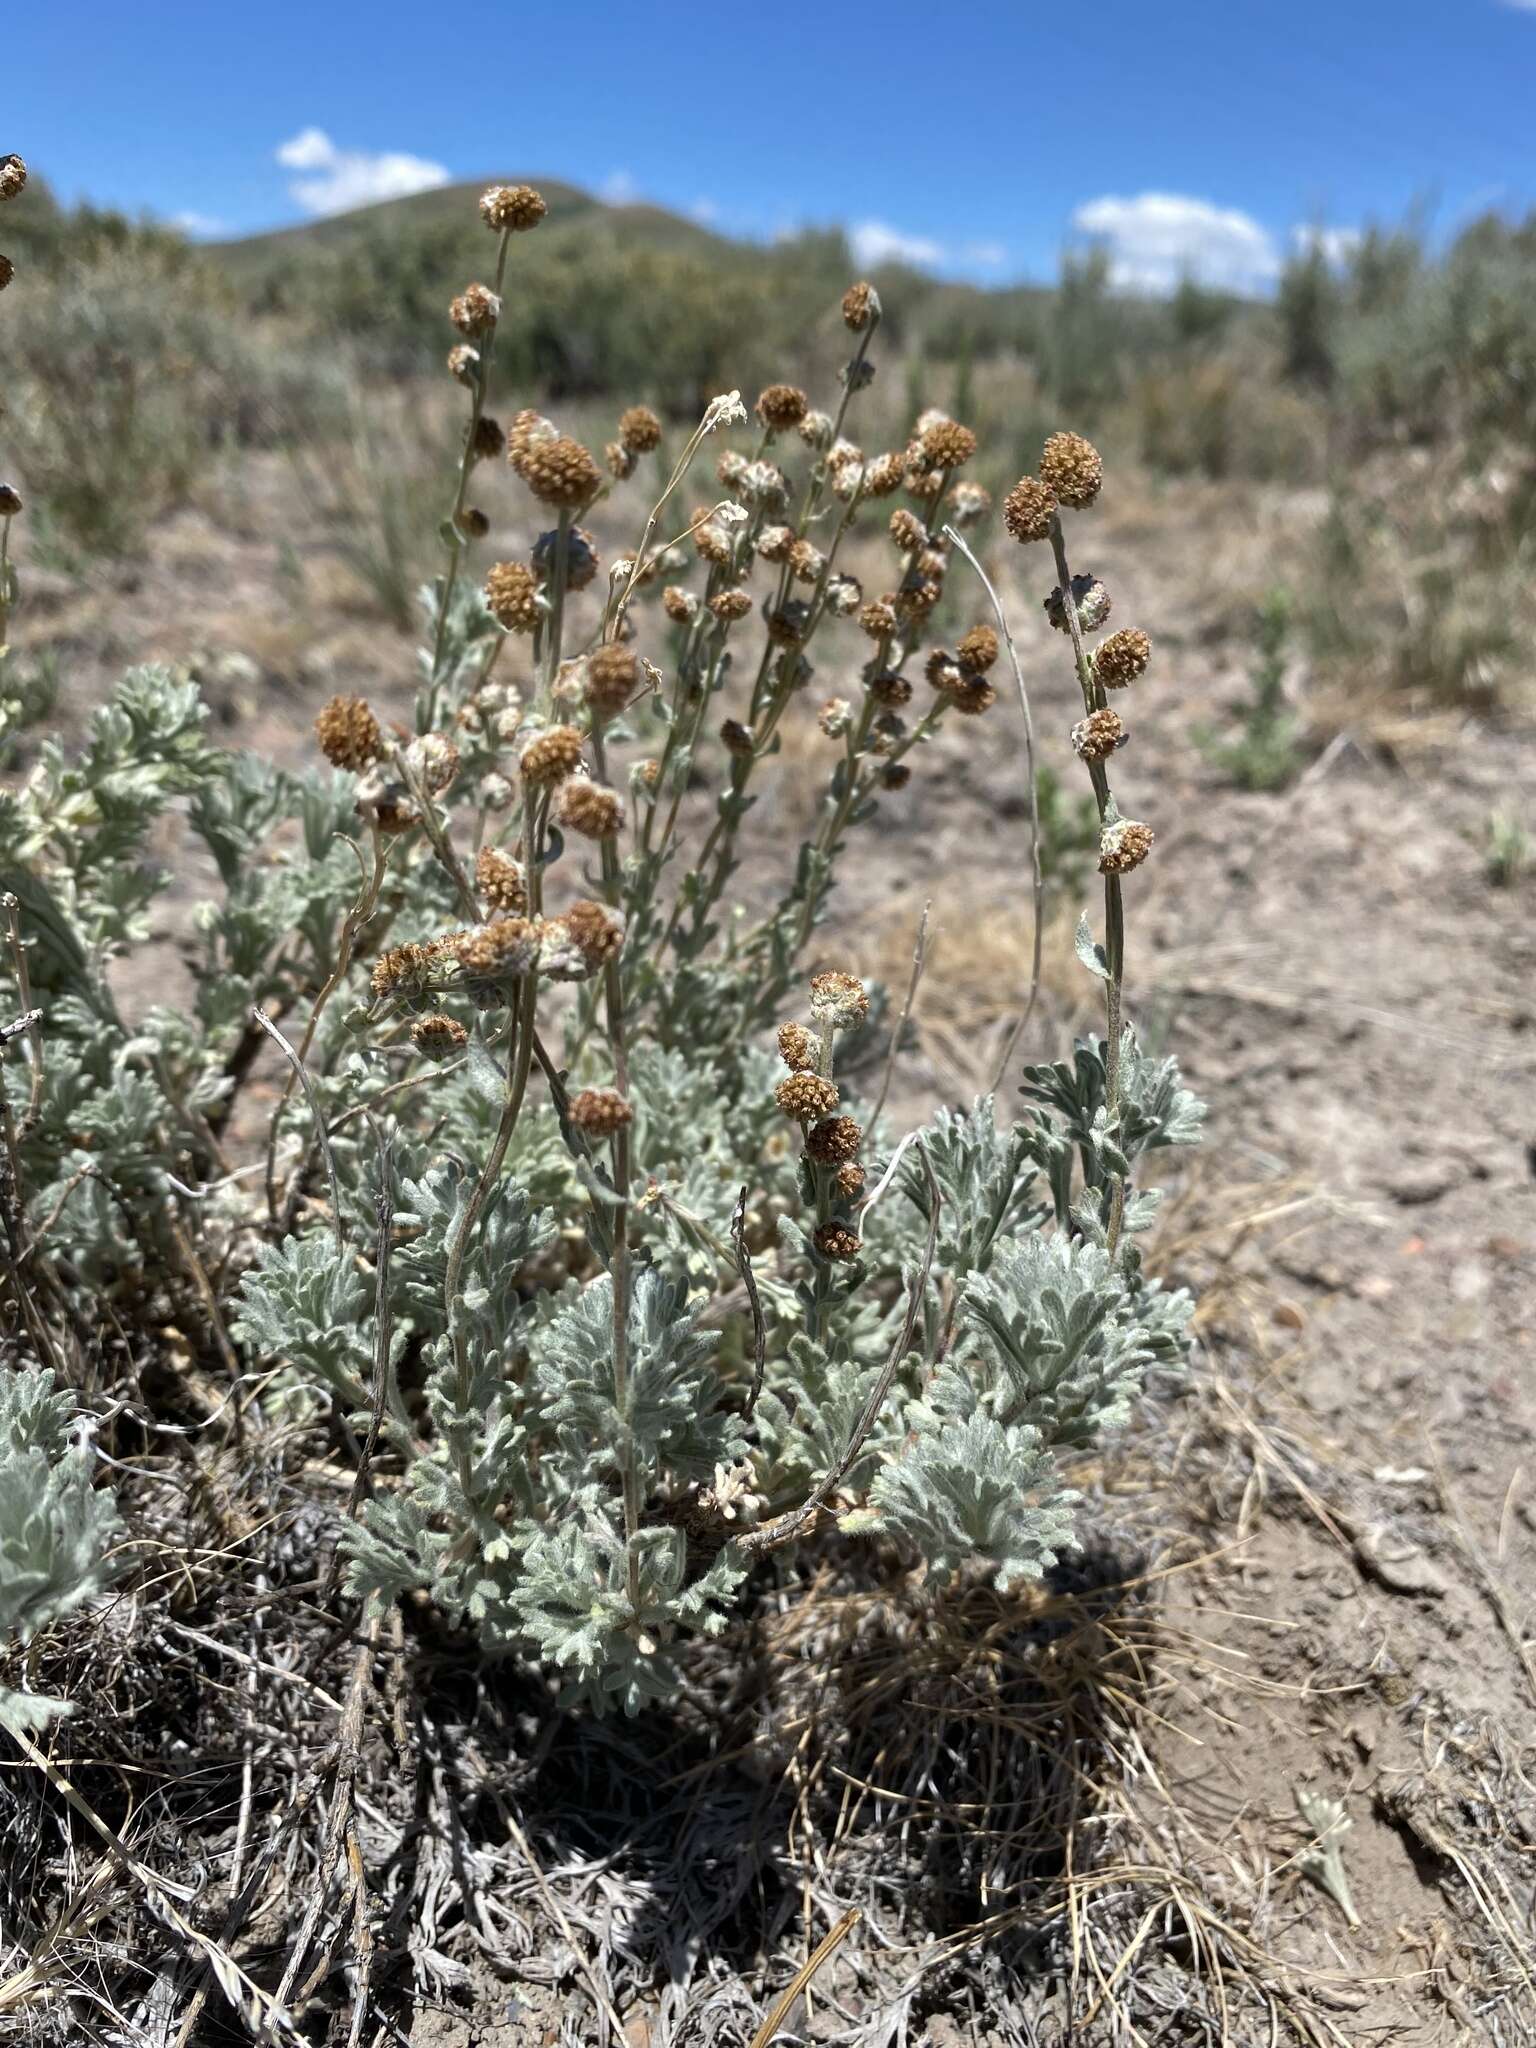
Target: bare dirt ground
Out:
[1325,1544]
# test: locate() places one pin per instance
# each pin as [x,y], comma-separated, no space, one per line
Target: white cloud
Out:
[872,242]
[200,224]
[619,188]
[345,178]
[1158,238]
[987,255]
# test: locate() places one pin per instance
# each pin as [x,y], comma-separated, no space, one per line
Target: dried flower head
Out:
[7,271]
[462,363]
[834,1140]
[529,430]
[736,739]
[472,522]
[10,501]
[488,439]
[884,475]
[639,429]
[889,688]
[709,536]
[942,672]
[806,562]
[475,311]
[555,754]
[613,675]
[731,605]
[438,1037]
[600,1112]
[500,879]
[861,304]
[878,619]
[348,733]
[560,473]
[907,530]
[385,799]
[973,697]
[433,761]
[775,542]
[895,775]
[1029,509]
[837,1240]
[580,556]
[1072,468]
[765,484]
[918,595]
[849,1181]
[13,176]
[1096,737]
[591,809]
[1092,601]
[835,717]
[781,406]
[499,951]
[787,622]
[1122,658]
[512,593]
[839,999]
[679,605]
[497,793]
[798,1048]
[816,430]
[596,931]
[512,208]
[977,650]
[805,1097]
[946,445]
[968,503]
[1123,846]
[402,971]
[844,596]
[620,461]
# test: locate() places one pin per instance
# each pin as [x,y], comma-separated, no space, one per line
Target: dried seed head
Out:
[798,1048]
[499,951]
[977,650]
[816,430]
[973,697]
[1092,601]
[884,475]
[805,1097]
[489,440]
[384,799]
[512,593]
[710,537]
[1072,468]
[849,1181]
[889,688]
[946,445]
[620,460]
[591,809]
[7,271]
[462,362]
[918,595]
[646,775]
[514,208]
[402,971]
[895,775]
[529,430]
[600,1112]
[907,530]
[736,739]
[552,756]
[560,473]
[834,1140]
[878,619]
[844,596]
[731,467]
[10,501]
[806,562]
[500,880]
[613,675]
[438,1037]
[861,304]
[731,605]
[679,605]
[765,484]
[835,717]
[941,671]
[787,622]
[433,761]
[775,542]
[968,503]
[596,931]
[1096,737]
[839,999]
[497,793]
[1123,846]
[472,522]
[475,311]
[13,176]
[1122,658]
[781,406]
[837,1241]
[639,429]
[348,733]
[1028,510]
[580,556]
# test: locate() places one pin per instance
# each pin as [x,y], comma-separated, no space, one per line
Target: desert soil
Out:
[1343,1499]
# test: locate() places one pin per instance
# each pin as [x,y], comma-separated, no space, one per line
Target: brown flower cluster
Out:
[600,1112]
[861,304]
[1096,737]
[512,208]
[500,879]
[1073,469]
[438,1037]
[781,406]
[639,430]
[512,593]
[590,809]
[805,1097]
[560,473]
[1122,658]
[555,754]
[475,311]
[798,1048]
[1029,509]
[613,676]
[348,733]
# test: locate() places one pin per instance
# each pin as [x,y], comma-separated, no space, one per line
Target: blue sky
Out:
[979,136]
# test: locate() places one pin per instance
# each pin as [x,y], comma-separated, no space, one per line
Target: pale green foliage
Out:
[55,1526]
[975,1488]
